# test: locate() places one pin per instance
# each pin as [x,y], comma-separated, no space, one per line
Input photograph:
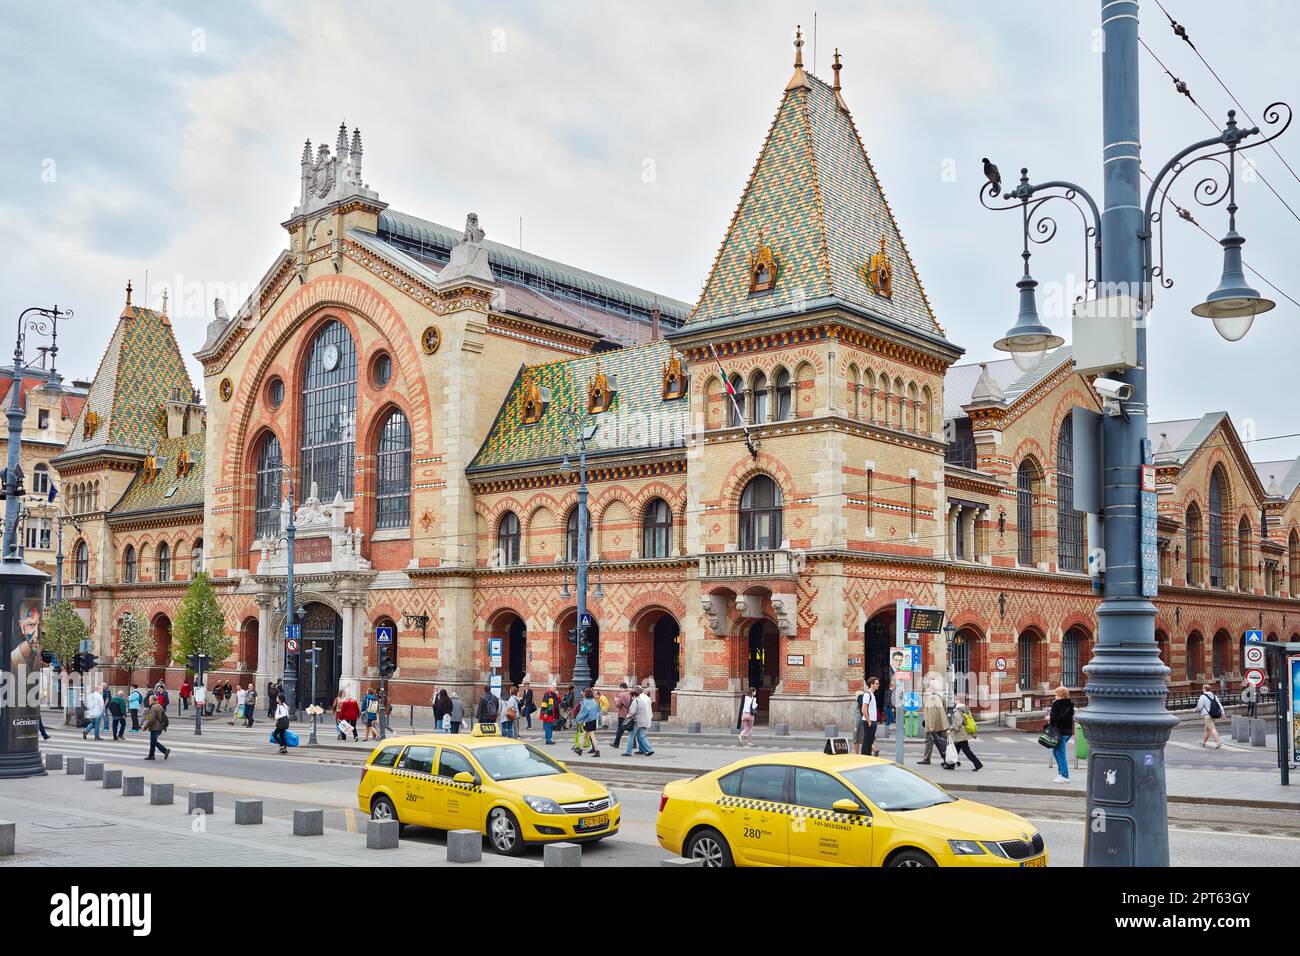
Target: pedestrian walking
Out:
[200,694]
[456,716]
[1207,706]
[117,709]
[585,722]
[164,698]
[1250,697]
[1060,723]
[566,709]
[107,695]
[441,707]
[136,704]
[186,690]
[155,723]
[748,709]
[370,711]
[621,700]
[870,717]
[272,695]
[241,701]
[528,704]
[279,735]
[935,715]
[489,707]
[94,711]
[963,731]
[639,718]
[227,694]
[349,714]
[550,712]
[250,704]
[510,713]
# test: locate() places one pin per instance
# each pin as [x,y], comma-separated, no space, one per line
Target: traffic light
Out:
[88,662]
[387,665]
[19,490]
[74,665]
[197,663]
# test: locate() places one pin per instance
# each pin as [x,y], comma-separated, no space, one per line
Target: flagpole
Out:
[735,404]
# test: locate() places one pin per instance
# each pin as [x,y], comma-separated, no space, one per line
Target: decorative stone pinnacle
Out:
[798,47]
[837,66]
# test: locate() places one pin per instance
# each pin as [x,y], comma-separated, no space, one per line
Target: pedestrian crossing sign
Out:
[1254,637]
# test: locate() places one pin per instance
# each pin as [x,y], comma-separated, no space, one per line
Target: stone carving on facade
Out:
[715,609]
[786,608]
[314,523]
[880,272]
[749,605]
[329,177]
[469,257]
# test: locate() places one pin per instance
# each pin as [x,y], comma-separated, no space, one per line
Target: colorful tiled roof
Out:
[167,490]
[815,199]
[141,370]
[637,419]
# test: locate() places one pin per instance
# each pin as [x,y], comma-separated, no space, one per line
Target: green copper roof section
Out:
[637,419]
[814,197]
[166,491]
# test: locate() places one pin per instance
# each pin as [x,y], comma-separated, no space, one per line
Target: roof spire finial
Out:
[798,47]
[128,291]
[164,308]
[837,66]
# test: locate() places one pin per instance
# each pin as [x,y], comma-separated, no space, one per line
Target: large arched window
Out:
[269,465]
[735,401]
[1192,543]
[81,563]
[1069,523]
[1026,480]
[656,529]
[129,565]
[196,558]
[1293,564]
[41,479]
[1195,655]
[1221,654]
[1029,660]
[1245,562]
[508,539]
[760,515]
[571,536]
[164,562]
[759,389]
[1073,656]
[329,404]
[1217,539]
[783,394]
[393,474]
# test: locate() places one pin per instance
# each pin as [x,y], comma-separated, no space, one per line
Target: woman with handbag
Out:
[962,731]
[1058,730]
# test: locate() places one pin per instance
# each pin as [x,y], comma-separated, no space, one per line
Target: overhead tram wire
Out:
[1181,32]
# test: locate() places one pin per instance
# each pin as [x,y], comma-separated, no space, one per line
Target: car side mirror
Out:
[847,806]
[464,777]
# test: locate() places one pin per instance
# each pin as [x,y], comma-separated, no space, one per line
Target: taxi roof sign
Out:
[484,730]
[837,745]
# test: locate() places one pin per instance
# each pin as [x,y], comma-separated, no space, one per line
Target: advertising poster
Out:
[1295,708]
[22,656]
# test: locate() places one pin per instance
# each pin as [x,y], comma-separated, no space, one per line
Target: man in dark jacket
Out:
[488,708]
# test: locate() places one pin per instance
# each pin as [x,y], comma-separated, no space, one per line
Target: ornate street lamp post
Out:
[285,604]
[1126,720]
[576,436]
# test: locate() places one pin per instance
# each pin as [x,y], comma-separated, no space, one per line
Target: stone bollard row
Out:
[54,761]
[112,780]
[162,794]
[75,766]
[8,838]
[248,812]
[562,854]
[464,846]
[133,786]
[94,770]
[309,822]
[1259,733]
[382,834]
[201,801]
[681,861]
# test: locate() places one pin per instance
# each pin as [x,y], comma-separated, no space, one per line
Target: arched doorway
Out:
[248,645]
[162,643]
[967,660]
[877,644]
[513,632]
[1075,654]
[322,630]
[667,662]
[763,662]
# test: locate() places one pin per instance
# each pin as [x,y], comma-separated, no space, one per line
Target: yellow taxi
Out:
[504,788]
[819,809]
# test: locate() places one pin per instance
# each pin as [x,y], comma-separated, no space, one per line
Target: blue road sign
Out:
[292,632]
[588,620]
[494,647]
[1254,637]
[384,634]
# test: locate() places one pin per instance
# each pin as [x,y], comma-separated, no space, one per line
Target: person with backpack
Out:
[585,722]
[870,717]
[1250,697]
[250,704]
[369,710]
[639,719]
[489,708]
[136,704]
[1210,709]
[279,735]
[1060,723]
[94,714]
[748,708]
[510,713]
[550,711]
[962,730]
[117,709]
[156,723]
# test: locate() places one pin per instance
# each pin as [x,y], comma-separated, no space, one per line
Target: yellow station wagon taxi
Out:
[506,789]
[816,809]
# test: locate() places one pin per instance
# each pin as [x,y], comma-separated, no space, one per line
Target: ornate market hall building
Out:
[414,386]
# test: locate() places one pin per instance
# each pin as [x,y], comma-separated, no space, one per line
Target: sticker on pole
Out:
[1254,655]
[1254,677]
[384,634]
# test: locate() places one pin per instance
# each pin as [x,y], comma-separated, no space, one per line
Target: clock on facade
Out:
[330,357]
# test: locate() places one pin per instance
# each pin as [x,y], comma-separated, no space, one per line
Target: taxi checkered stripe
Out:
[810,813]
[432,778]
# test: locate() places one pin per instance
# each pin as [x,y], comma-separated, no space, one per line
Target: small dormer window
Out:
[43,419]
[533,398]
[762,267]
[599,392]
[674,379]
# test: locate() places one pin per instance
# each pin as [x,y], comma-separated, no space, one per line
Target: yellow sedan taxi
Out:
[817,809]
[506,789]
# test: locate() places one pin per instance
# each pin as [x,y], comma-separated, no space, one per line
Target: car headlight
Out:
[966,848]
[613,799]
[543,805]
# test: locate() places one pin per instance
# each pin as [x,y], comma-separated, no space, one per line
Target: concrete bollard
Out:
[8,838]
[201,800]
[381,834]
[162,794]
[248,812]
[1258,733]
[682,861]
[781,730]
[832,730]
[695,727]
[54,761]
[309,822]
[562,854]
[112,780]
[76,765]
[654,727]
[94,770]
[1238,723]
[133,786]
[464,846]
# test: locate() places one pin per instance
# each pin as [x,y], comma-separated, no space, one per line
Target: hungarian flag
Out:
[735,403]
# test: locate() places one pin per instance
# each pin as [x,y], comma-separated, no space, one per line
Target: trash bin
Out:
[912,724]
[1080,744]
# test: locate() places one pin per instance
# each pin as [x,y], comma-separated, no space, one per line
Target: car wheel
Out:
[710,846]
[503,832]
[381,808]
[912,858]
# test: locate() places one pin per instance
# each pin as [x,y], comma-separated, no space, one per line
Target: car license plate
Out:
[1038,861]
[593,823]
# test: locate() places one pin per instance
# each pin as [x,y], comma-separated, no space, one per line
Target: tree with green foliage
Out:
[200,626]
[135,644]
[64,632]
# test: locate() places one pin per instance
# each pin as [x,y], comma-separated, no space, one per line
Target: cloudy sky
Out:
[164,139]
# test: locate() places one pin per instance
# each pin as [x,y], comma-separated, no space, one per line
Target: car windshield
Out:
[515,762]
[890,787]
